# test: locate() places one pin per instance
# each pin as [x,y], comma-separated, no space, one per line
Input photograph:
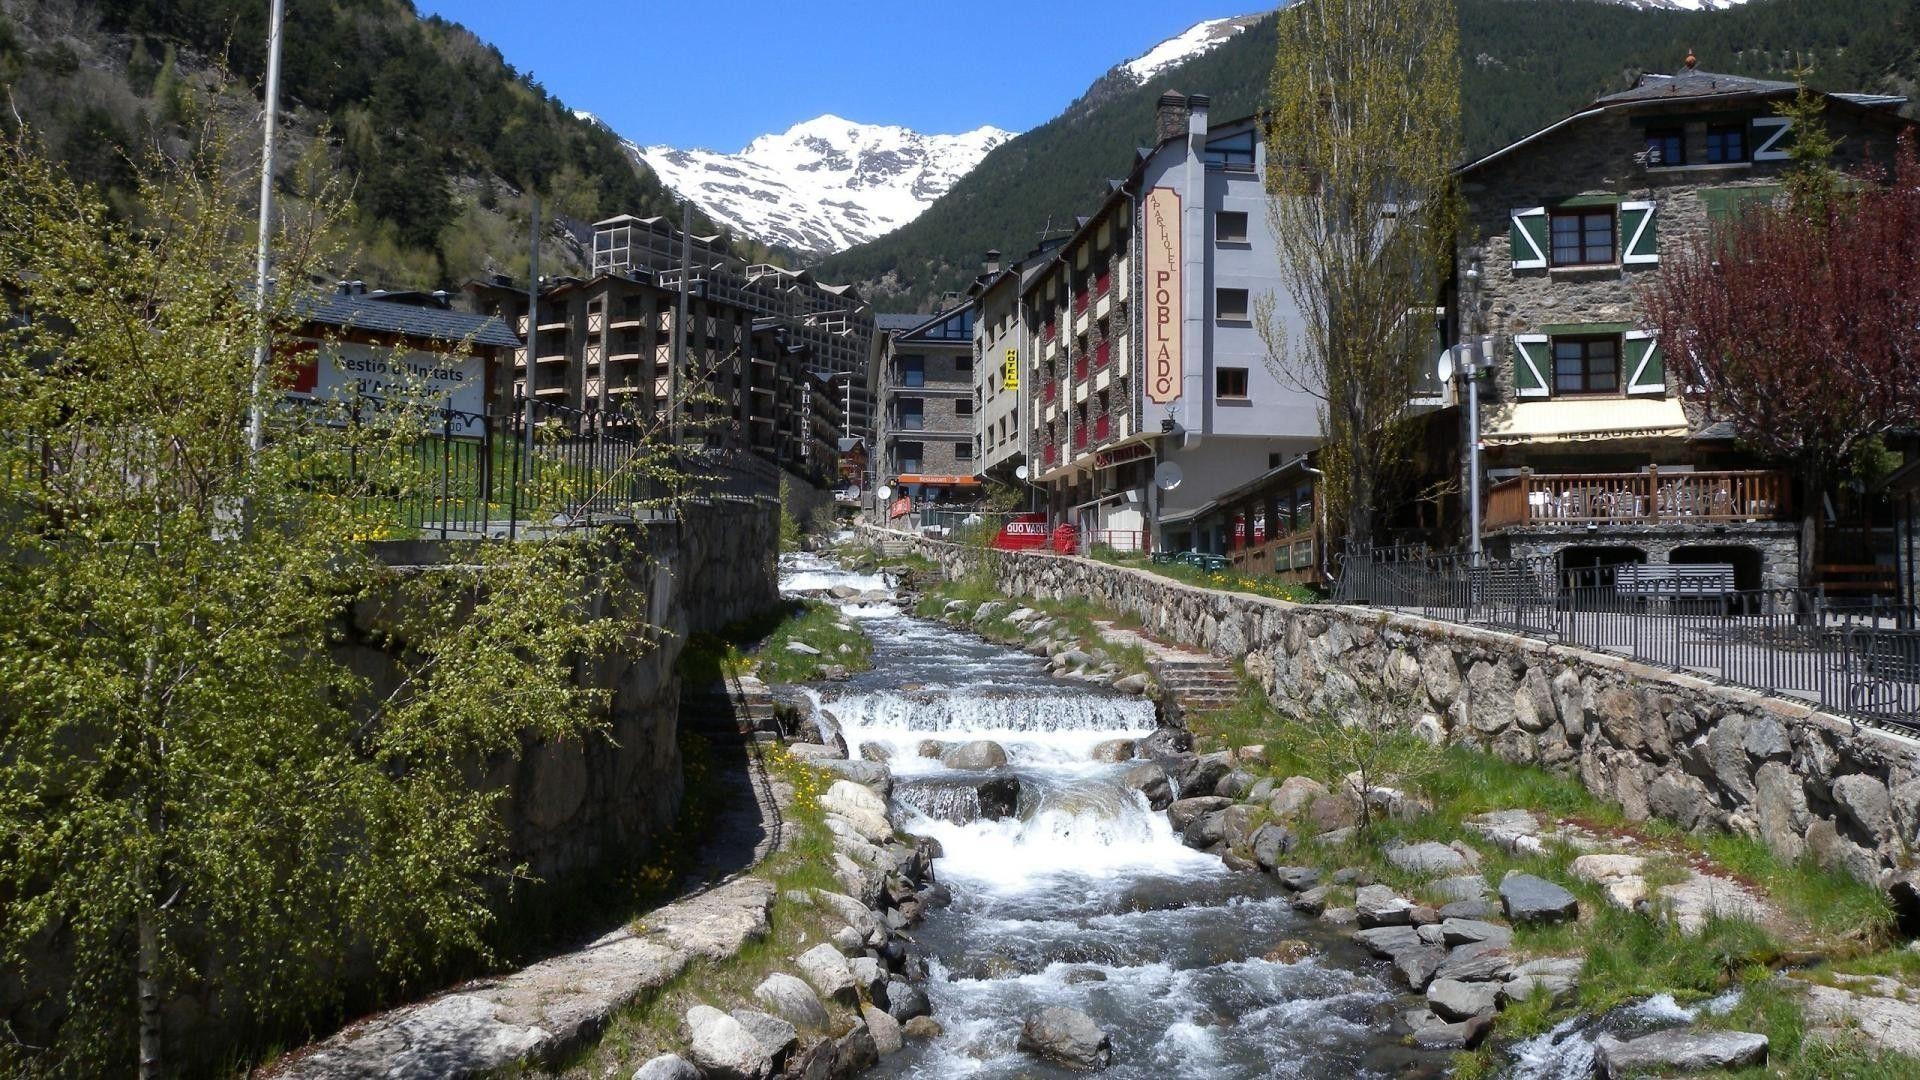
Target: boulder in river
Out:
[861,806]
[1166,742]
[793,1000]
[978,754]
[1067,1036]
[1150,780]
[1270,842]
[775,1036]
[722,1047]
[999,798]
[905,1000]
[856,1051]
[887,1038]
[1113,750]
[1678,1051]
[1200,775]
[1454,1000]
[1531,899]
[1184,812]
[1378,906]
[827,970]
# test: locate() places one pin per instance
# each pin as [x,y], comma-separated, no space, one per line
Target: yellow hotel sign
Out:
[1163,295]
[1010,372]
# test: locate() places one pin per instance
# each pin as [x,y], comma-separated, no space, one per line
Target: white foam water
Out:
[1567,1051]
[805,572]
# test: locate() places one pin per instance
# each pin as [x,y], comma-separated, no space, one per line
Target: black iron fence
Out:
[1859,656]
[467,474]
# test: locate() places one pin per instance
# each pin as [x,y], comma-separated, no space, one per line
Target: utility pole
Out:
[533,327]
[256,409]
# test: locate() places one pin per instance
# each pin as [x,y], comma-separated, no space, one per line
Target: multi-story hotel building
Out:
[925,438]
[1146,358]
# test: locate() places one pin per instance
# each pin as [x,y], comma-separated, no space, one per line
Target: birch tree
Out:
[1363,130]
[199,807]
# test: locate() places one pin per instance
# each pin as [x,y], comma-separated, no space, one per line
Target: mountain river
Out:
[1084,896]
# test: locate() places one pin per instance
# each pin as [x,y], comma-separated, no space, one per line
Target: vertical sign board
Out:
[1010,372]
[1163,295]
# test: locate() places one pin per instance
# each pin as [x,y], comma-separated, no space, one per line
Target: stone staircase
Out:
[1198,683]
[894,549]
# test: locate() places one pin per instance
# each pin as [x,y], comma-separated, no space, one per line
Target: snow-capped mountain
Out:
[1196,39]
[825,184]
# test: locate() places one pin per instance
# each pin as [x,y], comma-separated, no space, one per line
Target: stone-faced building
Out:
[1002,344]
[1145,345]
[1592,453]
[924,410]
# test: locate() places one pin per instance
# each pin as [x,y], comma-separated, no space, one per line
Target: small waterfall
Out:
[983,713]
[805,572]
[1567,1051]
[956,804]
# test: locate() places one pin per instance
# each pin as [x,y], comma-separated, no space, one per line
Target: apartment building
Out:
[1001,349]
[1146,361]
[925,441]
[1594,456]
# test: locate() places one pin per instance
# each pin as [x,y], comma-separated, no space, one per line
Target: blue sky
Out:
[754,66]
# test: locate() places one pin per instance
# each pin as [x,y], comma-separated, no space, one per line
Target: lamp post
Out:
[1470,361]
[256,410]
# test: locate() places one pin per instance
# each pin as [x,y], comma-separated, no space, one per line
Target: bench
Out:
[1674,581]
[1201,559]
[1856,578]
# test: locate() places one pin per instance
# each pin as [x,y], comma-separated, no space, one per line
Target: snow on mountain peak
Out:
[1196,39]
[824,184]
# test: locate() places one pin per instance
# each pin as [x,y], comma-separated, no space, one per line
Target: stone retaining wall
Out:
[1660,743]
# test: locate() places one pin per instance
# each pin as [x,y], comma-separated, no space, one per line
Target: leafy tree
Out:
[1800,324]
[1363,131]
[1360,742]
[197,803]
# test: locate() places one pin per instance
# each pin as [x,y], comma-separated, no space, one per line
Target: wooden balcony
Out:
[1648,498]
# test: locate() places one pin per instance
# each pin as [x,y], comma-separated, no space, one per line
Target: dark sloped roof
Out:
[893,321]
[385,316]
[1693,84]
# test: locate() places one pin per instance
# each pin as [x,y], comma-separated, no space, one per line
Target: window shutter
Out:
[1529,239]
[1639,234]
[1530,352]
[1646,367]
[1769,137]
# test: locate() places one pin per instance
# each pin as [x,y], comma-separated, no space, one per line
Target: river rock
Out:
[851,911]
[1558,977]
[1206,830]
[1480,962]
[1678,1051]
[827,970]
[868,774]
[1150,780]
[775,1036]
[1527,898]
[861,806]
[812,754]
[855,1052]
[1184,812]
[1113,750]
[802,648]
[1458,887]
[1417,965]
[792,1000]
[1296,878]
[887,1037]
[1200,775]
[1236,784]
[1135,683]
[1429,858]
[1237,825]
[1376,905]
[874,752]
[1468,909]
[905,1000]
[1455,1001]
[978,754]
[922,1027]
[1388,942]
[1166,742]
[871,978]
[723,1048]
[667,1067]
[1270,842]
[1066,1036]
[999,797]
[1312,901]
[1473,932]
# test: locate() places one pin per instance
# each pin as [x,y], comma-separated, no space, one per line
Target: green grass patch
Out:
[1229,580]
[1080,619]
[758,646]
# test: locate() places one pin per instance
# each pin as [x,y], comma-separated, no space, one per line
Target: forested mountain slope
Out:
[1526,63]
[439,136]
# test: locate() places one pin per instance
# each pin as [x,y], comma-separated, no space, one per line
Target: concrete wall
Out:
[1659,743]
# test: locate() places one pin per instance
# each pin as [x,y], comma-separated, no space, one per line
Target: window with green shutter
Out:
[1646,367]
[1531,360]
[1639,232]
[1528,238]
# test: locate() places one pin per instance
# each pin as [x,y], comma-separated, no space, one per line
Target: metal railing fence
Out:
[1857,656]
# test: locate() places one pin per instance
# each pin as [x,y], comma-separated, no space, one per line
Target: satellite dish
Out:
[1021,473]
[1167,476]
[1445,367]
[883,493]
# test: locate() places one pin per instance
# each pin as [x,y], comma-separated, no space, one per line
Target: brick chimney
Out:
[1170,120]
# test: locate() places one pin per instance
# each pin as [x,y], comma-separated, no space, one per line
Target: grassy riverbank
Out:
[761,647]
[1081,621]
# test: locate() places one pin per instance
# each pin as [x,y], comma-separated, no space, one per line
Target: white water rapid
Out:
[1069,890]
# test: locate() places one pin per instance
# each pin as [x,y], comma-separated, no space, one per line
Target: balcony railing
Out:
[1050,391]
[1051,456]
[1638,498]
[1080,302]
[1102,354]
[1079,438]
[1102,428]
[1080,369]
[1102,283]
[1047,332]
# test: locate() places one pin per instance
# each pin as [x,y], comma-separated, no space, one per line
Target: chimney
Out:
[1197,117]
[992,265]
[1170,120]
[344,288]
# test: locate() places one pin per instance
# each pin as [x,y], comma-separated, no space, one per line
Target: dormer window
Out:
[1726,143]
[1666,147]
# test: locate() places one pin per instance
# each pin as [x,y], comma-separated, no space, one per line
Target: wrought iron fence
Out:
[479,475]
[1851,655]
